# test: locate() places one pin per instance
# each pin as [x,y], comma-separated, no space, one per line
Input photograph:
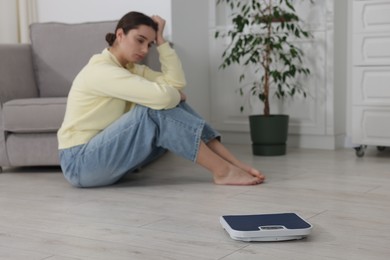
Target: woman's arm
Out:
[172,71]
[160,33]
[103,78]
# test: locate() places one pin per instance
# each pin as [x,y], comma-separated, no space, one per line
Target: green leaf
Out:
[262,97]
[242,77]
[289,5]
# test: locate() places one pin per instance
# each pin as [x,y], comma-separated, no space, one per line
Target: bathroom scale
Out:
[266,227]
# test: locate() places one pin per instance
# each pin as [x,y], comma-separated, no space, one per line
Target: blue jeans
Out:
[134,140]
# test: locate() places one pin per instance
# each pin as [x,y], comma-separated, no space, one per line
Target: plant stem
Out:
[267,64]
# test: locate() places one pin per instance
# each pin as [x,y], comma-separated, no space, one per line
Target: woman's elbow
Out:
[181,85]
[168,101]
[178,83]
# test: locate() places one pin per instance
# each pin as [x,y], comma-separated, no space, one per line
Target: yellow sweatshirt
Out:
[104,90]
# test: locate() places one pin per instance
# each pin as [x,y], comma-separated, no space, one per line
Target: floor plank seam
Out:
[235,251]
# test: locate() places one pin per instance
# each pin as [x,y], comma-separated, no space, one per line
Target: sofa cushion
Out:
[61,50]
[33,115]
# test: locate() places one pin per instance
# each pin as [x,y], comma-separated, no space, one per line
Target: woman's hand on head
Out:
[161,25]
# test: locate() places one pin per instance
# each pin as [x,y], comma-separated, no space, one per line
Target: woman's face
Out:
[134,45]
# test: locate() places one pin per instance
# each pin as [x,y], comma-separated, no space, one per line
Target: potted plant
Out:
[262,40]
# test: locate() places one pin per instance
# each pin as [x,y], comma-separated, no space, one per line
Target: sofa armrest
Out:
[16,72]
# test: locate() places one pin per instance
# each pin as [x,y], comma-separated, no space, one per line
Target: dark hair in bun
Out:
[129,21]
[110,38]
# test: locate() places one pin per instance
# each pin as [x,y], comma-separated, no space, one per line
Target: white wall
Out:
[190,35]
[8,22]
[75,11]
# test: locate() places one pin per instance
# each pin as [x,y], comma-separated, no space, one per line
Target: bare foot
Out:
[256,173]
[250,170]
[237,176]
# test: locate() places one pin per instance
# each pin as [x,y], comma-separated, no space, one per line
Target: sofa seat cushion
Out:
[33,115]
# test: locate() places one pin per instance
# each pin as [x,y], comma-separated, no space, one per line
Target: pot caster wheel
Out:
[381,148]
[360,150]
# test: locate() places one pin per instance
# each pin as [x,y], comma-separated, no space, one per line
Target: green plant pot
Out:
[269,134]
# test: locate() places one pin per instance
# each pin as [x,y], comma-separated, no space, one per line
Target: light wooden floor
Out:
[170,210]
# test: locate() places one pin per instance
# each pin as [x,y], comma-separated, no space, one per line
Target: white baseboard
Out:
[301,141]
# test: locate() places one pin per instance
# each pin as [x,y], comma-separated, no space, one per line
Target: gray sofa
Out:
[34,82]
